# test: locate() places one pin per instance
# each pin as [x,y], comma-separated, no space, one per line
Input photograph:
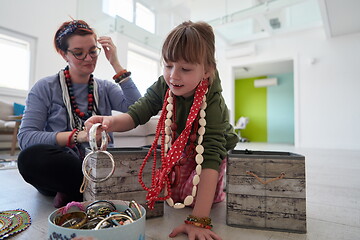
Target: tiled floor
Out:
[333,201]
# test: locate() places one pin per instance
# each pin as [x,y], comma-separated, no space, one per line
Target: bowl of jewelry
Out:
[98,220]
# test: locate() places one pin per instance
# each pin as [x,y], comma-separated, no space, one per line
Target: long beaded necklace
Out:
[75,108]
[171,152]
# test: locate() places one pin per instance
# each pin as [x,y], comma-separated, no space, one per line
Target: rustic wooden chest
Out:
[266,190]
[123,184]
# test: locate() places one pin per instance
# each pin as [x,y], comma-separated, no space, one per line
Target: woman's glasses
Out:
[81,55]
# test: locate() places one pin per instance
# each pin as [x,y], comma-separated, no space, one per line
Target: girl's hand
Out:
[106,122]
[194,232]
[109,49]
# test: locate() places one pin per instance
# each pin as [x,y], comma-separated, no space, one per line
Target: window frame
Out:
[4,91]
[106,4]
[140,50]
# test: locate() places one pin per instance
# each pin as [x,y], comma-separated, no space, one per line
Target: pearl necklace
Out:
[199,149]
[171,154]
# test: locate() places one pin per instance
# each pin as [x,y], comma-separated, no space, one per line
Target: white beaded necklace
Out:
[199,149]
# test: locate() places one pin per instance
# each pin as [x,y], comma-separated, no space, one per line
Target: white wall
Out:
[326,92]
[40,19]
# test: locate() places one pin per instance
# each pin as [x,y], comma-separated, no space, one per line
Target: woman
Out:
[51,135]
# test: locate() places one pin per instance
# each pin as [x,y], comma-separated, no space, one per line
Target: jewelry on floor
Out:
[13,222]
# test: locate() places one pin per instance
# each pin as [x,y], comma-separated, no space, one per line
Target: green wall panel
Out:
[251,102]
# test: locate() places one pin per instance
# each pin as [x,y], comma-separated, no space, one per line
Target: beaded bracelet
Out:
[75,137]
[119,74]
[204,222]
[68,144]
[122,77]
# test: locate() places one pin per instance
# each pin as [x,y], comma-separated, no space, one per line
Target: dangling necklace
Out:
[171,154]
[74,106]
[190,147]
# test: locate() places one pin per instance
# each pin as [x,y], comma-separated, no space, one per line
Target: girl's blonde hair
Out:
[193,43]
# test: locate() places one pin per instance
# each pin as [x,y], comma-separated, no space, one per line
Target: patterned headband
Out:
[70,29]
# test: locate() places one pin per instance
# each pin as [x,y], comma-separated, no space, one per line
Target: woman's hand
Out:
[194,232]
[82,137]
[110,52]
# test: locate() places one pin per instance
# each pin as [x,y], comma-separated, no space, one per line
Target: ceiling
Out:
[243,21]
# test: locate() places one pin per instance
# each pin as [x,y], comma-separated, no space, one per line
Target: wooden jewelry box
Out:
[123,184]
[266,190]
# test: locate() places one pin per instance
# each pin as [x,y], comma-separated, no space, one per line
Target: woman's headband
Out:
[70,28]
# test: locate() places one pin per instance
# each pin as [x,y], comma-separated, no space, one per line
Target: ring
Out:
[92,138]
[91,178]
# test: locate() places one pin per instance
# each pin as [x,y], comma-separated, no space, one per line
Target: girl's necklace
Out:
[170,154]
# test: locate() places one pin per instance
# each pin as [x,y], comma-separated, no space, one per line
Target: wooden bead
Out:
[196,180]
[202,122]
[168,122]
[167,130]
[199,149]
[170,202]
[188,200]
[179,205]
[201,131]
[169,107]
[169,114]
[170,99]
[202,113]
[203,105]
[198,169]
[200,139]
[194,190]
[199,159]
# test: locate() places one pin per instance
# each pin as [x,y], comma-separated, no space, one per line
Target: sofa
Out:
[142,135]
[10,118]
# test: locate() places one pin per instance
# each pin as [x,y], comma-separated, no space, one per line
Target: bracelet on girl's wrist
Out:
[204,222]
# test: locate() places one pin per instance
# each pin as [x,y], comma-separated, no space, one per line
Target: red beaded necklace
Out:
[74,106]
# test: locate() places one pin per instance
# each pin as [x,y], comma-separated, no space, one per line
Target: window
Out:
[123,8]
[132,11]
[145,18]
[145,68]
[16,60]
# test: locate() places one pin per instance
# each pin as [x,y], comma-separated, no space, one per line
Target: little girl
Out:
[193,129]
